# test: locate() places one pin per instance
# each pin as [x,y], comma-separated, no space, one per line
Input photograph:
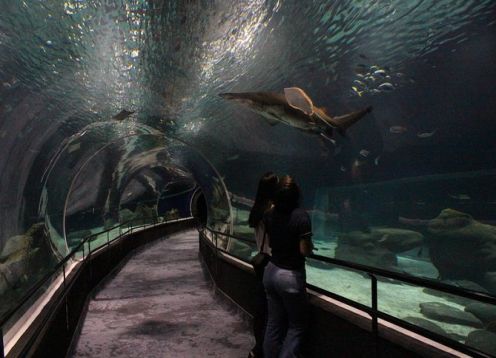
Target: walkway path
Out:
[160,304]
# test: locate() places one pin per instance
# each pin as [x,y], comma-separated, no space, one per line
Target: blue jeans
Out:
[287,307]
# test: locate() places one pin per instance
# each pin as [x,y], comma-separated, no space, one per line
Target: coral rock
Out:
[461,247]
[445,313]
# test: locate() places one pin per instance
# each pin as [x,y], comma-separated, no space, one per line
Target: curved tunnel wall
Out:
[94,182]
[409,185]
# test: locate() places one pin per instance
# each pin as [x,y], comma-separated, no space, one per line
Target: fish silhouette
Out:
[122,115]
[295,109]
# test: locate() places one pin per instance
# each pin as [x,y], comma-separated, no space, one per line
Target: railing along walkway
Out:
[221,240]
[160,304]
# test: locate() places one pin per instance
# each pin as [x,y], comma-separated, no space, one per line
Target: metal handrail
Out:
[373,310]
[36,286]
[418,281]
[240,238]
[429,283]
[376,314]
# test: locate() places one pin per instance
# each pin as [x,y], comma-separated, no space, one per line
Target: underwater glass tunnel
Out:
[110,112]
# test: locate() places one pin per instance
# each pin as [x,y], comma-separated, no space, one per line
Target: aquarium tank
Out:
[118,111]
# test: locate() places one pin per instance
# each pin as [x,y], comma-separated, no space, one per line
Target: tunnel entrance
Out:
[199,207]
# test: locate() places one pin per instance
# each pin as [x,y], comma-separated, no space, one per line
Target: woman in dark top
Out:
[290,233]
[263,202]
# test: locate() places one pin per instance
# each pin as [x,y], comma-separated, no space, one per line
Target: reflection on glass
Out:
[24,260]
[241,227]
[416,226]
[460,319]
[350,284]
[133,176]
[14,324]
[243,249]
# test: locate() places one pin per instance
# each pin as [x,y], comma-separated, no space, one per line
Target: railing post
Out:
[2,352]
[108,241]
[63,272]
[65,299]
[216,256]
[375,325]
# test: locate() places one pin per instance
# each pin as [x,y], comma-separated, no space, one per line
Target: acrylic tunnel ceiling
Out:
[68,70]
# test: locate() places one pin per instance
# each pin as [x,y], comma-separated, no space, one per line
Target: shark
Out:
[296,109]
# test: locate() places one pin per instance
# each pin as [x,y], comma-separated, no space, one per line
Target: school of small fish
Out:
[375,79]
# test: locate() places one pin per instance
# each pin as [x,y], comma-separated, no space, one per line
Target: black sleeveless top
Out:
[285,231]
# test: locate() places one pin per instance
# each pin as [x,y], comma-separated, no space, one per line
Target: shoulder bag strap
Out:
[263,241]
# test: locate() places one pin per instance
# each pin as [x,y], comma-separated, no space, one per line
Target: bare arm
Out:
[306,245]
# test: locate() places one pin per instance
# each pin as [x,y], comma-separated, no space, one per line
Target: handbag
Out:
[260,260]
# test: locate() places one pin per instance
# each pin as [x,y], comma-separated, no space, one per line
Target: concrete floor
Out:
[159,304]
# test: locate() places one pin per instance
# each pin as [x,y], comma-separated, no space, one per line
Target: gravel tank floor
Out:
[160,304]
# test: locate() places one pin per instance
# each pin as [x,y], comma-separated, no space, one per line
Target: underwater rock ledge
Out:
[460,247]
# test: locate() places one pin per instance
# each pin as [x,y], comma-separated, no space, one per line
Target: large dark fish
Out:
[294,108]
[122,115]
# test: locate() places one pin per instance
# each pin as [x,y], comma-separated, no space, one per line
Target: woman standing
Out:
[290,232]
[263,202]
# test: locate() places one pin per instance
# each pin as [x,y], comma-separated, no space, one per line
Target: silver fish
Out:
[364,153]
[380,73]
[459,196]
[397,129]
[359,83]
[234,157]
[386,87]
[426,134]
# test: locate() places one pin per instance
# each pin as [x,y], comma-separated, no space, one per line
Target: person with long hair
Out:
[290,232]
[263,202]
